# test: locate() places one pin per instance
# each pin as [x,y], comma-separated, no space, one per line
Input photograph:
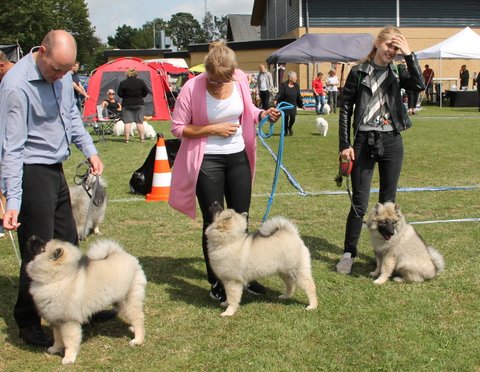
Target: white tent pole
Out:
[278,75]
[441,80]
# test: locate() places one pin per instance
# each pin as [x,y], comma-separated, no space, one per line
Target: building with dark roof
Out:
[423,22]
[240,29]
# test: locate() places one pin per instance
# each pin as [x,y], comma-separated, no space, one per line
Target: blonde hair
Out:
[131,72]
[385,33]
[220,60]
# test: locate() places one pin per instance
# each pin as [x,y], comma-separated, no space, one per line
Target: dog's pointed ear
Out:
[397,208]
[56,254]
[36,245]
[244,214]
[377,207]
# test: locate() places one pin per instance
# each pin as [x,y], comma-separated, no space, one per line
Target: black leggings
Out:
[389,167]
[289,121]
[222,177]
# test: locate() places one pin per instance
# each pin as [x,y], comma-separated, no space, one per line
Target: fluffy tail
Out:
[103,248]
[437,259]
[276,223]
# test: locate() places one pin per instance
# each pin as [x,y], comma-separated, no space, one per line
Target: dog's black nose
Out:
[215,208]
[36,245]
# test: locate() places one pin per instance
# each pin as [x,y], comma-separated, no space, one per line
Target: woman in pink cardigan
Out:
[215,118]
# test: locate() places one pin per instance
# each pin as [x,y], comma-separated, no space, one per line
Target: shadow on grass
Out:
[328,253]
[178,274]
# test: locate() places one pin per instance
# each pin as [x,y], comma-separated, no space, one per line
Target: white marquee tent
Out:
[464,44]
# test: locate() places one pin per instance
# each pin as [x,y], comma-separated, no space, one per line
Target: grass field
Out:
[433,326]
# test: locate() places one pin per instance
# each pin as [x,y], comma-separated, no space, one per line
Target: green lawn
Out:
[434,326]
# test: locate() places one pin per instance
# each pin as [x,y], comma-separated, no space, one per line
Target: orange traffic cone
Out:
[161,174]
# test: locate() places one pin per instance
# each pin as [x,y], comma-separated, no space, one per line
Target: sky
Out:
[106,16]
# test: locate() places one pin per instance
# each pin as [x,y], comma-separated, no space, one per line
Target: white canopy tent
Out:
[464,44]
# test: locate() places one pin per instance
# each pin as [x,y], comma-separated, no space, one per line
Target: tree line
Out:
[27,21]
[182,28]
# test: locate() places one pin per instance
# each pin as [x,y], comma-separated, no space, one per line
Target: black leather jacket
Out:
[357,93]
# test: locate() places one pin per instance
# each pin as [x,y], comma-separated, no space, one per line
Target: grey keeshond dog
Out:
[399,248]
[88,221]
[238,257]
[68,288]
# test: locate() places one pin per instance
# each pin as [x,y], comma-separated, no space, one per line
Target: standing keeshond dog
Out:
[89,219]
[399,248]
[68,288]
[238,258]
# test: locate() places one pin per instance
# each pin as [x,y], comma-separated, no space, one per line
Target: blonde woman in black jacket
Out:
[372,96]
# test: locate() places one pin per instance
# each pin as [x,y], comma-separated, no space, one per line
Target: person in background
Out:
[78,89]
[372,96]
[5,65]
[318,93]
[38,132]
[289,92]
[132,90]
[412,99]
[332,88]
[464,77]
[264,86]
[215,118]
[428,75]
[478,89]
[113,107]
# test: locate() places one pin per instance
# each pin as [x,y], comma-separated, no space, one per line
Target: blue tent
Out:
[313,48]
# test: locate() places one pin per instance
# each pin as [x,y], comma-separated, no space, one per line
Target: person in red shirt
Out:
[318,93]
[428,75]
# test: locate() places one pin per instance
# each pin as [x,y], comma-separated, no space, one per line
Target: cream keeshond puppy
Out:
[399,248]
[238,258]
[88,220]
[68,288]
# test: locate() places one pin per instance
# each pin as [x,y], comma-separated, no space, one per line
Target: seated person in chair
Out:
[112,106]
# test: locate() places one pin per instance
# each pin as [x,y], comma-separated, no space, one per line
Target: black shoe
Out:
[35,336]
[218,292]
[290,132]
[103,316]
[256,288]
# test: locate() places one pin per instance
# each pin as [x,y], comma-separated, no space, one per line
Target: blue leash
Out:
[282,106]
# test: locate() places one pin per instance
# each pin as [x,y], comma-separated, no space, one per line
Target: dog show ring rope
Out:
[282,106]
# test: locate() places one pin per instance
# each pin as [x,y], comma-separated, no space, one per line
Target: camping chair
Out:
[105,122]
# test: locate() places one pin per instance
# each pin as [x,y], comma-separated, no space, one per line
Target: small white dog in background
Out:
[322,126]
[119,129]
[326,109]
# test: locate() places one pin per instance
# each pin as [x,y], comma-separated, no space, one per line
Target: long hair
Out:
[385,33]
[220,60]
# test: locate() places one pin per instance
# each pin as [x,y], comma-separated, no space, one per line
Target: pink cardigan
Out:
[191,108]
